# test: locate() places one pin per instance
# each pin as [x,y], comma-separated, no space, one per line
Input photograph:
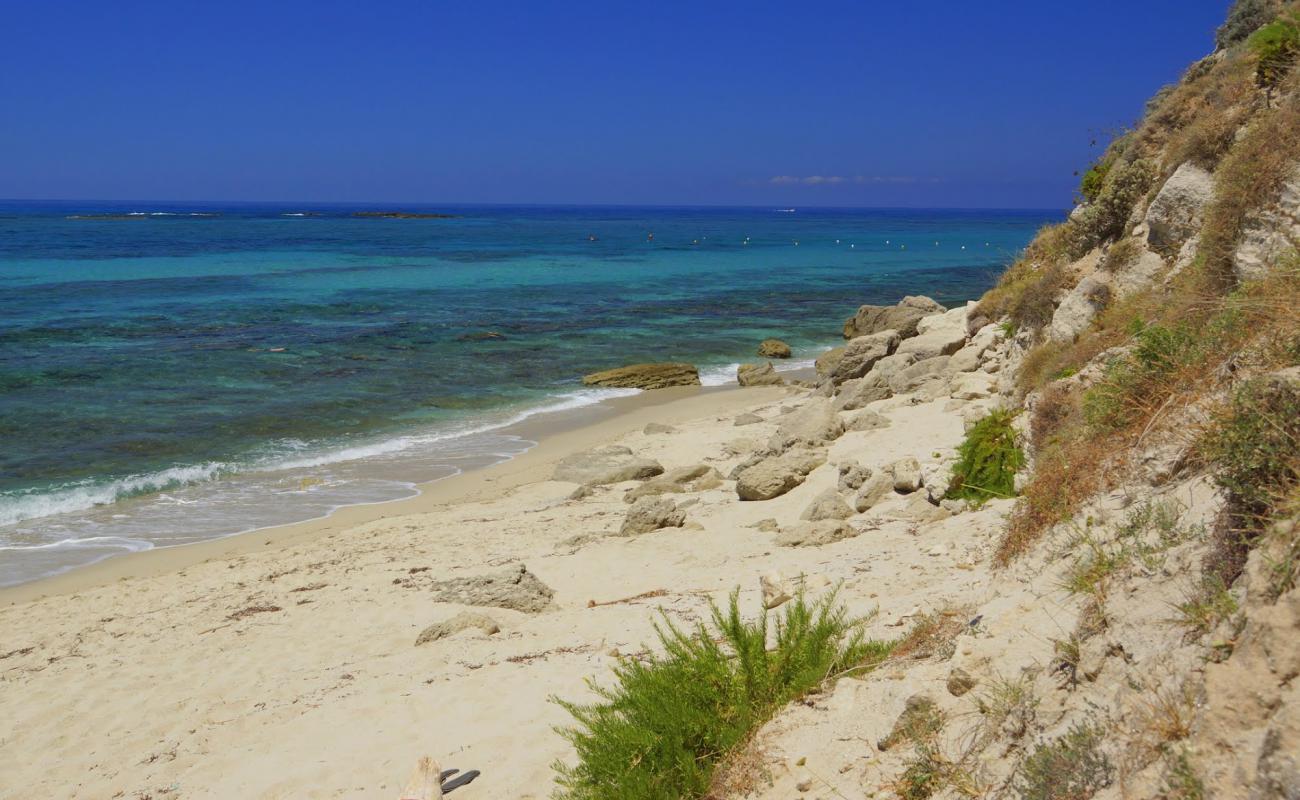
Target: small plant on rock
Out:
[1071,768]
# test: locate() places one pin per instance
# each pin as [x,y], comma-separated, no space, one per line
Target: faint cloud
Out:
[831,180]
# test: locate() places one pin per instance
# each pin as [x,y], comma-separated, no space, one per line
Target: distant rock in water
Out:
[482,336]
[774,348]
[645,376]
[402,215]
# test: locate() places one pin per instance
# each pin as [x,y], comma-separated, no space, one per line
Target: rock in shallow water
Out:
[645,376]
[774,348]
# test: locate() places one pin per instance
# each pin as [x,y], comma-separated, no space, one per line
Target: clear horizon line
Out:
[481,204]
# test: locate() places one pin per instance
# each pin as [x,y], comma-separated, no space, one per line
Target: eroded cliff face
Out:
[1130,627]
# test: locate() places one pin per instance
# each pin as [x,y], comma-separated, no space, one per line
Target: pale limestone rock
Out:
[773,476]
[907,475]
[813,424]
[776,589]
[608,464]
[1178,208]
[514,588]
[902,317]
[973,386]
[463,621]
[697,478]
[1078,308]
[815,534]
[758,375]
[1270,236]
[650,514]
[827,506]
[873,490]
[747,419]
[862,353]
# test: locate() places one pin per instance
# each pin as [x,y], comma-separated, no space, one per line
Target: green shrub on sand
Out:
[988,460]
[659,732]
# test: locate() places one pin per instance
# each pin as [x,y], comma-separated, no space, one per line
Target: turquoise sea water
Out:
[170,373]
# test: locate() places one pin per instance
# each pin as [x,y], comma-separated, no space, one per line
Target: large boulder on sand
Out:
[858,393]
[862,353]
[827,505]
[610,464]
[650,514]
[826,362]
[515,588]
[1178,208]
[697,478]
[873,490]
[773,348]
[902,317]
[775,475]
[815,534]
[645,376]
[815,423]
[758,375]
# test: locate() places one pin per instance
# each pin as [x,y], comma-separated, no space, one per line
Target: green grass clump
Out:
[1276,45]
[1070,768]
[661,730]
[1132,384]
[1255,447]
[1244,18]
[988,460]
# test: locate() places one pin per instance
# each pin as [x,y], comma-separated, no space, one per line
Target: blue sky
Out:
[954,104]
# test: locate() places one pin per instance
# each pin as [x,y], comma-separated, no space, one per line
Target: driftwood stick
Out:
[425,783]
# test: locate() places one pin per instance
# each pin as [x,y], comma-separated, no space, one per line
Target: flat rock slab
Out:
[645,376]
[602,465]
[514,588]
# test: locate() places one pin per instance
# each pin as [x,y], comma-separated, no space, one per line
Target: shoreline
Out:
[554,435]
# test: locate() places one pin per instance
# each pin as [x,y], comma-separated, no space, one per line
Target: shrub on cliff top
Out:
[1244,18]
[1276,45]
[660,731]
[988,460]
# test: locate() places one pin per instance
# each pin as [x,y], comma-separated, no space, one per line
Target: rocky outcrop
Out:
[465,620]
[815,534]
[902,317]
[1271,235]
[874,489]
[697,478]
[1177,210]
[758,375]
[827,505]
[602,465]
[775,475]
[911,378]
[937,335]
[826,362]
[1080,306]
[773,348]
[862,353]
[514,588]
[858,393]
[650,514]
[645,376]
[813,424]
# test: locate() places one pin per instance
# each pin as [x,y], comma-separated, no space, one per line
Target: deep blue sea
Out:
[171,373]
